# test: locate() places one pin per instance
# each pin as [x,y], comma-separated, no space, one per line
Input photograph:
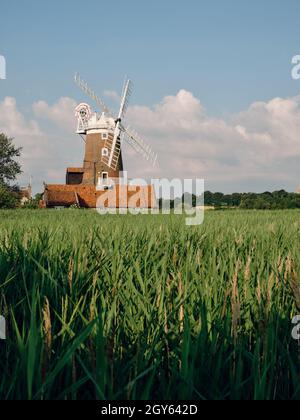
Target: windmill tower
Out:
[101,173]
[104,134]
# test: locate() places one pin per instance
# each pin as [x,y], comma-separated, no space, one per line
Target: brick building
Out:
[97,183]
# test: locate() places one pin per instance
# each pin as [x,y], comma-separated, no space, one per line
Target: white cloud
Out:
[257,144]
[256,149]
[111,94]
[14,122]
[26,133]
[45,155]
[62,113]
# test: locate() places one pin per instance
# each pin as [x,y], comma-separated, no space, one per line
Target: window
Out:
[104,152]
[104,136]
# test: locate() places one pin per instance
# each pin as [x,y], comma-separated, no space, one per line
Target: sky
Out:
[213,92]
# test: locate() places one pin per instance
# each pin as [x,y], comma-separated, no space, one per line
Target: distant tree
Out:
[214,199]
[247,203]
[9,197]
[280,194]
[236,199]
[208,198]
[9,170]
[188,198]
[34,203]
[218,198]
[261,204]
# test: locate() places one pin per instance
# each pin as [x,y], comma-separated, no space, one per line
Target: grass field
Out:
[141,307]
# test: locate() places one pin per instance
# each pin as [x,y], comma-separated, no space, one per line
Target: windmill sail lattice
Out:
[138,144]
[114,151]
[91,94]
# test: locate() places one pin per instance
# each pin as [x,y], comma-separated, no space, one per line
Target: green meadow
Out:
[143,307]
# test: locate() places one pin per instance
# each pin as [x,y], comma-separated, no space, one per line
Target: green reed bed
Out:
[143,307]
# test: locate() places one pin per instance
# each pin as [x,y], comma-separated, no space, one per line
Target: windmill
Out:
[104,135]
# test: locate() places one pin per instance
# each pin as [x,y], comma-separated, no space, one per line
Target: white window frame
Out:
[104,152]
[104,136]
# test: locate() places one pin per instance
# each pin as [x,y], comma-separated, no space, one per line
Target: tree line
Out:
[277,200]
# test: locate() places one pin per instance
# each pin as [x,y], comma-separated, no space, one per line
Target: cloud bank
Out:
[256,149]
[46,150]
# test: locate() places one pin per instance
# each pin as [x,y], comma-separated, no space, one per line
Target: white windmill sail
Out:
[114,146]
[127,92]
[91,94]
[139,145]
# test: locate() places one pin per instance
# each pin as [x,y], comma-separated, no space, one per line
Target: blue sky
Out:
[228,53]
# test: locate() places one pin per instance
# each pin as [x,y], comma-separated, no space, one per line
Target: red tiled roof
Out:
[75,170]
[122,196]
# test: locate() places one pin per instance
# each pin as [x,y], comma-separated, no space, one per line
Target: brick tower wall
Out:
[93,165]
